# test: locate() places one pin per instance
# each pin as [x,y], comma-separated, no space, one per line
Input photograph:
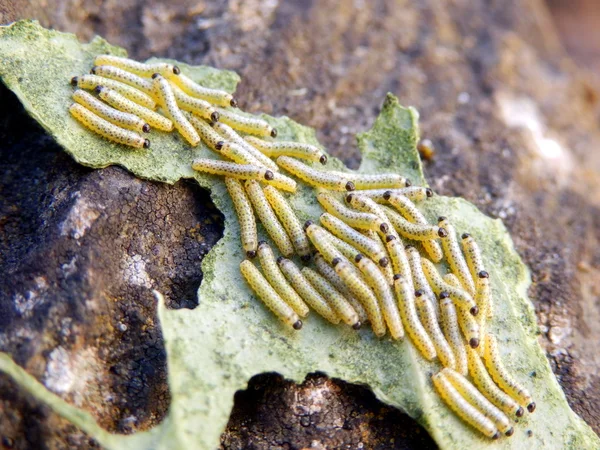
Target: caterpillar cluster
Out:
[363,271]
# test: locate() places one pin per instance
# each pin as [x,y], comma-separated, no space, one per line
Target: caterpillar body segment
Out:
[122,103]
[380,286]
[236,153]
[232,170]
[363,293]
[231,135]
[375,181]
[428,318]
[458,295]
[308,293]
[327,271]
[277,280]
[418,276]
[135,67]
[483,295]
[243,208]
[410,211]
[91,82]
[289,220]
[194,105]
[106,129]
[406,304]
[288,148]
[453,253]
[355,219]
[357,240]
[400,263]
[335,299]
[450,327]
[485,384]
[164,94]
[114,73]
[414,193]
[213,96]
[500,375]
[314,177]
[463,408]
[412,230]
[250,125]
[210,138]
[478,400]
[269,296]
[114,116]
[368,206]
[267,217]
[349,251]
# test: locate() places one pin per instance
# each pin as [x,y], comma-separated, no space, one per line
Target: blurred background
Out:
[508,96]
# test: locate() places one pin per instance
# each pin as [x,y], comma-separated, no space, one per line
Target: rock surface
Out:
[512,122]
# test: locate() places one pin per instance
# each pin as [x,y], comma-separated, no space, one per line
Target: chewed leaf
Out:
[216,348]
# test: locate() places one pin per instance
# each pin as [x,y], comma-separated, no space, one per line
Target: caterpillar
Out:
[418,276]
[236,153]
[463,408]
[166,98]
[335,299]
[288,148]
[114,116]
[458,295]
[232,170]
[231,135]
[308,293]
[366,205]
[501,376]
[327,271]
[400,264]
[282,182]
[138,68]
[243,208]
[375,181]
[408,313]
[355,219]
[91,82]
[414,193]
[250,125]
[276,279]
[314,177]
[267,217]
[267,294]
[122,103]
[194,105]
[409,210]
[412,230]
[209,137]
[214,96]
[380,286]
[354,238]
[320,240]
[472,255]
[363,293]
[476,398]
[449,325]
[485,384]
[114,73]
[106,129]
[468,324]
[428,319]
[483,294]
[289,220]
[456,260]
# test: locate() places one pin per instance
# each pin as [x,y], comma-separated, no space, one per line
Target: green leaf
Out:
[216,348]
